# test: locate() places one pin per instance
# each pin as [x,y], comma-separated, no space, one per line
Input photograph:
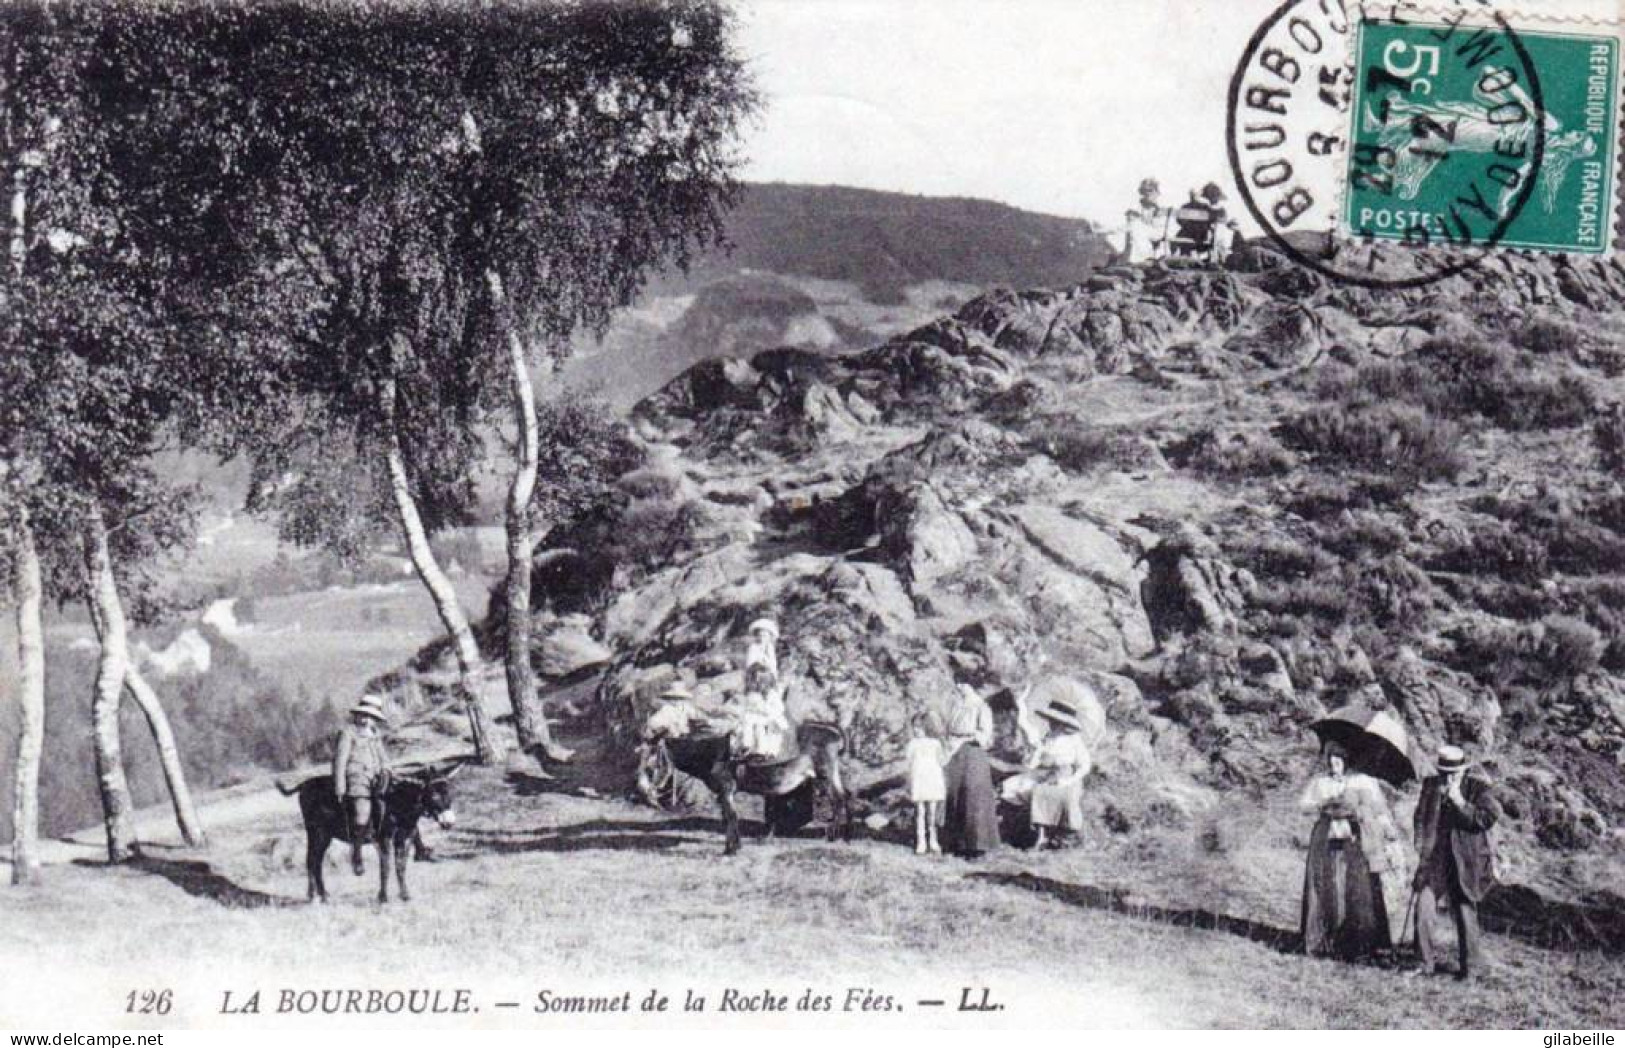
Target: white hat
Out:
[771,627]
[1451,758]
[370,706]
[676,690]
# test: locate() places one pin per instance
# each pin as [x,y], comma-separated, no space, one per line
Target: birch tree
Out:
[617,155]
[96,374]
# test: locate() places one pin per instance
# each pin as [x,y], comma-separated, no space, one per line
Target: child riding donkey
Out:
[360,770]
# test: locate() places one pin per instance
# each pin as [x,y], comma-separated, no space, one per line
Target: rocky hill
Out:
[1230,500]
[828,268]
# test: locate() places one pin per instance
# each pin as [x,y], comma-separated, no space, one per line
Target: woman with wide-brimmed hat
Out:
[971,814]
[359,760]
[1052,785]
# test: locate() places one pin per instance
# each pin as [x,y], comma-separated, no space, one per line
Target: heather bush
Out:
[1319,496]
[1401,440]
[1076,449]
[1358,533]
[1545,336]
[1608,436]
[1493,548]
[1238,456]
[1457,377]
[1569,647]
[1271,556]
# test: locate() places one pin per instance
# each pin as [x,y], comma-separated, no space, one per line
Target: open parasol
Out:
[1072,692]
[1375,740]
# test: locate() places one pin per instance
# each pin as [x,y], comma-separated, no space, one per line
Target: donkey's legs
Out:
[725,788]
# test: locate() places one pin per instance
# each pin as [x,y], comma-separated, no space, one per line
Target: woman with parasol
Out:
[1355,843]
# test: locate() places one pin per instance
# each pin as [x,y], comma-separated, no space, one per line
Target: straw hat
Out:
[768,626]
[1062,713]
[676,691]
[370,706]
[1451,758]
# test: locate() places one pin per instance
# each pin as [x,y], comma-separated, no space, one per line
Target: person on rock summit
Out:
[1455,858]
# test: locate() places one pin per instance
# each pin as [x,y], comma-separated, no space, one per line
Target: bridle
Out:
[658,773]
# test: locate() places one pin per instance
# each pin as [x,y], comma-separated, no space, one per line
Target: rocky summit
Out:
[1230,500]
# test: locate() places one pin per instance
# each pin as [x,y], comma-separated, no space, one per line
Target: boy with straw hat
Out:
[358,762]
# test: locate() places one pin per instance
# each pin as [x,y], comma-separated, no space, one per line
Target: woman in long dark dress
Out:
[971,815]
[1344,914]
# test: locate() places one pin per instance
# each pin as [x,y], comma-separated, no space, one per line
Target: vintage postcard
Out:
[882,515]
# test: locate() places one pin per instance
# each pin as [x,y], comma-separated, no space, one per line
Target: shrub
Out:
[1575,543]
[1547,337]
[1076,449]
[1608,435]
[1569,647]
[1080,448]
[1493,548]
[1355,533]
[1402,440]
[1281,557]
[1531,402]
[1239,455]
[1321,496]
[1455,377]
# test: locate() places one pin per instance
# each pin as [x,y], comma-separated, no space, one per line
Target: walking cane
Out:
[1410,911]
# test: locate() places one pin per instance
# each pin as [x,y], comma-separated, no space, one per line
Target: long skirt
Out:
[1344,914]
[971,814]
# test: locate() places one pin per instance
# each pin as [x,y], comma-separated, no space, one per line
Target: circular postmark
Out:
[1386,149]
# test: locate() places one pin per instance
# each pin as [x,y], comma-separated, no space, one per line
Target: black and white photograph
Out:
[850,515]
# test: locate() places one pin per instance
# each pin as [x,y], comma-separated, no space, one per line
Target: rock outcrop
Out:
[989,499]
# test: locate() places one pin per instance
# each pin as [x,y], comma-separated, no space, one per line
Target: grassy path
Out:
[548,886]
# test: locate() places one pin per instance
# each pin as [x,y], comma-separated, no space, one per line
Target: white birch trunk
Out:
[107,616]
[530,721]
[488,747]
[29,595]
[169,757]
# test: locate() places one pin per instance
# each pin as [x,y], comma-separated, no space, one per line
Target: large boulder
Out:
[569,648]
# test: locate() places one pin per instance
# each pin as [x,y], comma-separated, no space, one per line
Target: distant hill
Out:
[830,268]
[886,243]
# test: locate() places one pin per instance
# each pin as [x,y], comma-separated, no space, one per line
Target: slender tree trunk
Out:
[530,720]
[17,243]
[174,774]
[28,592]
[107,616]
[488,747]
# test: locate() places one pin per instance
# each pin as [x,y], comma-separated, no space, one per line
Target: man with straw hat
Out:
[1455,859]
[1053,781]
[359,762]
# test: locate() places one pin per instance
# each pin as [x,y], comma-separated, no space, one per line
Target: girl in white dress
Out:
[926,786]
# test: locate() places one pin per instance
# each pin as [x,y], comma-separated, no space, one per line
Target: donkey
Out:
[782,785]
[401,803]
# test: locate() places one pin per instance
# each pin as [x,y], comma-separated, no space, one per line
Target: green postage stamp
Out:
[1474,132]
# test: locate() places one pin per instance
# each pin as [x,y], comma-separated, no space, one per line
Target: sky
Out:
[1059,106]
